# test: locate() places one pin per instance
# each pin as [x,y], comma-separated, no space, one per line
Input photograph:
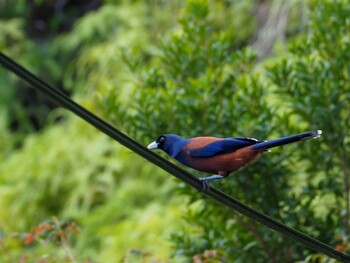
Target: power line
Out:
[171,168]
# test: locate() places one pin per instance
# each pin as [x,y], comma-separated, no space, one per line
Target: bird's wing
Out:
[220,147]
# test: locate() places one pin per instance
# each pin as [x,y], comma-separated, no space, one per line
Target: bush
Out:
[200,84]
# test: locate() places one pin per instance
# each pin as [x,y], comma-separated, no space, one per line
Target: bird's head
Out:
[169,143]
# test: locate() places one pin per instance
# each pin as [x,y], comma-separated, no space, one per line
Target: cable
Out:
[171,168]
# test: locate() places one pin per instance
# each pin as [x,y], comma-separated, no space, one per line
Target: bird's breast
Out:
[223,163]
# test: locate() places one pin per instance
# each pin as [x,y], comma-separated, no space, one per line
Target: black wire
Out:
[171,168]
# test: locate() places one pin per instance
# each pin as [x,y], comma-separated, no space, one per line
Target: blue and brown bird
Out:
[220,156]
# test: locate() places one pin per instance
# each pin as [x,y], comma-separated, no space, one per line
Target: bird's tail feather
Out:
[285,140]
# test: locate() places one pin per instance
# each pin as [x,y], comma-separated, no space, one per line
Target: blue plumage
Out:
[171,144]
[221,147]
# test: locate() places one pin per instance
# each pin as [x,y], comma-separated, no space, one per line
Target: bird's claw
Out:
[205,184]
[207,180]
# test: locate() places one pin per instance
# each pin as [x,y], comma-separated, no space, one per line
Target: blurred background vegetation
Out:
[261,69]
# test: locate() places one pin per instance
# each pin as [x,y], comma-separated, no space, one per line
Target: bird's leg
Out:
[207,180]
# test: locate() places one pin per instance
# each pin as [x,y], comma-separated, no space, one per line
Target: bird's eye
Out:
[161,139]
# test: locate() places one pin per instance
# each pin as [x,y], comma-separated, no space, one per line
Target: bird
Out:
[220,156]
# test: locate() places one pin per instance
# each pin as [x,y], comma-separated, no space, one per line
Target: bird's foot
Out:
[206,181]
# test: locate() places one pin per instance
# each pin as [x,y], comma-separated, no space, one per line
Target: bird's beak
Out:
[152,146]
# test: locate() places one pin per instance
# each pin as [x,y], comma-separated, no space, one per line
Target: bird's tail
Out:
[285,140]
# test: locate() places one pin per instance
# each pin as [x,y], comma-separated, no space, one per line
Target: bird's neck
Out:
[175,149]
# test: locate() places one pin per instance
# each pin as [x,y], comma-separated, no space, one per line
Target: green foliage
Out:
[93,182]
[192,82]
[314,79]
[26,110]
[72,171]
[175,67]
[16,99]
[199,84]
